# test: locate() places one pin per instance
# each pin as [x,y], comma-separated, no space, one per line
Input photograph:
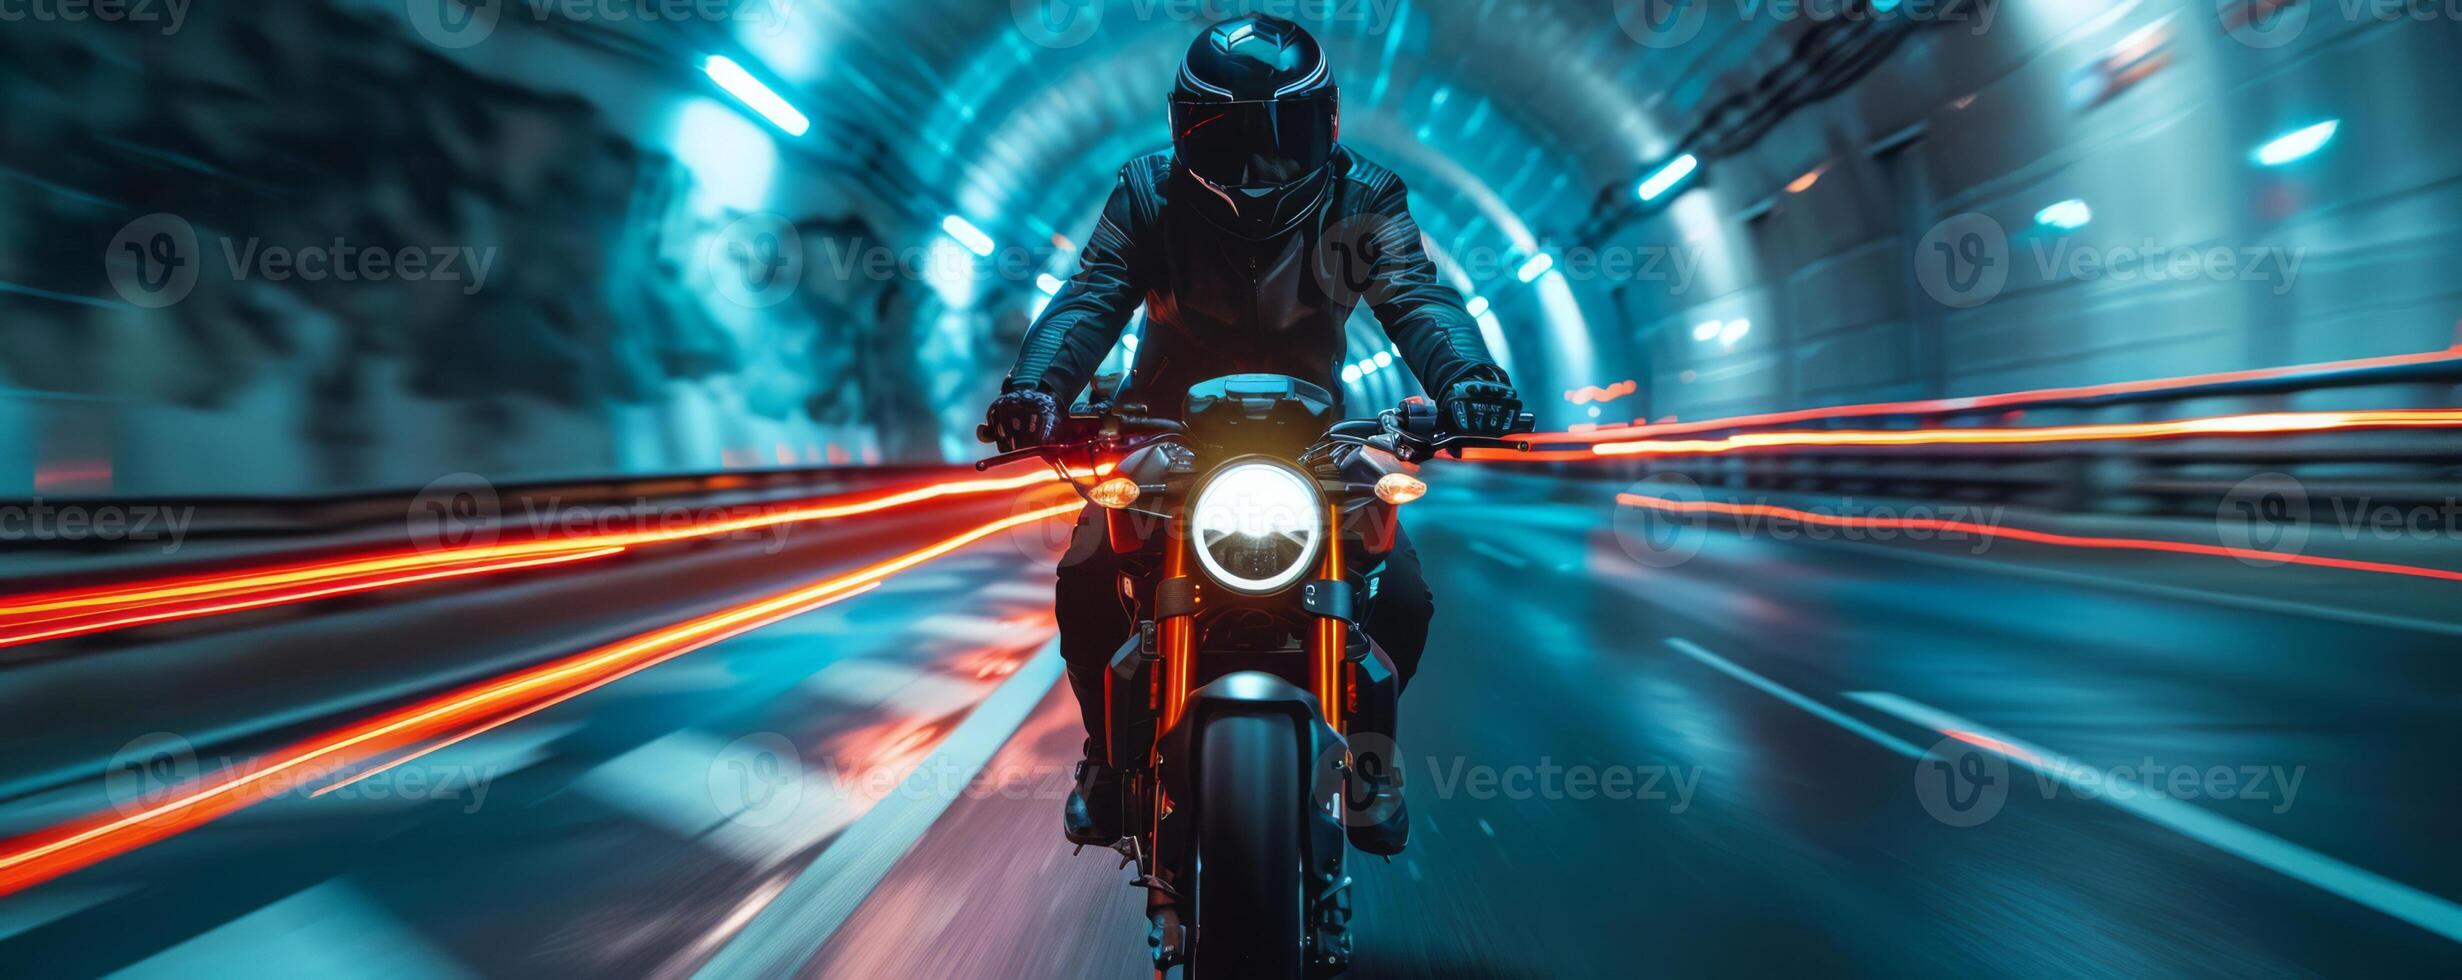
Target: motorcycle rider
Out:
[1219,239]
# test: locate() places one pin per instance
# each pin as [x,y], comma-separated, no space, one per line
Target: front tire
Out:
[1250,910]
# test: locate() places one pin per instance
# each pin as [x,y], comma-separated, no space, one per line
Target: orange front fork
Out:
[1329,642]
[1176,635]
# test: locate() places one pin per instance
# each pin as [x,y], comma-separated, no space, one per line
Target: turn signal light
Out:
[1400,488]
[1120,491]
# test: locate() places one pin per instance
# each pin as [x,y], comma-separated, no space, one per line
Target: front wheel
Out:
[1250,910]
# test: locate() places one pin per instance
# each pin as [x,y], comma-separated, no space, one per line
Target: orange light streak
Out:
[2003,400]
[23,618]
[33,859]
[1698,507]
[2274,423]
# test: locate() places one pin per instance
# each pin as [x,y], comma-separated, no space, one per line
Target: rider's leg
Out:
[1092,622]
[1092,627]
[1397,620]
[1399,612]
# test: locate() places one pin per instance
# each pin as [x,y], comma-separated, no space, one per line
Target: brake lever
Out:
[1004,459]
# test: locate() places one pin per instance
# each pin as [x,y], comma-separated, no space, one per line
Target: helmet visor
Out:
[1249,144]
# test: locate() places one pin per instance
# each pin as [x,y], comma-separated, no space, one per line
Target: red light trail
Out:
[1768,511]
[2013,399]
[35,858]
[2271,423]
[36,617]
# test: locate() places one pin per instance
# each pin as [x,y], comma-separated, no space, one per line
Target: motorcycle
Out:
[1250,717]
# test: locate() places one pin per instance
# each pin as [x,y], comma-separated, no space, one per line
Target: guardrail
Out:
[318,515]
[2083,464]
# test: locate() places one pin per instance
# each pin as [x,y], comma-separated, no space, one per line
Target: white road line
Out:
[2106,583]
[790,930]
[1499,554]
[2359,885]
[1781,692]
[330,929]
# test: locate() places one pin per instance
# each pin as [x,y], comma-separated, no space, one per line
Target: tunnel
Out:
[700,488]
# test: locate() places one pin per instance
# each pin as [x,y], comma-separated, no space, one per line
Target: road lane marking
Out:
[1499,554]
[2357,884]
[788,932]
[1783,693]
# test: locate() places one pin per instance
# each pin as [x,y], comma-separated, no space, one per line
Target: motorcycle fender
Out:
[1252,693]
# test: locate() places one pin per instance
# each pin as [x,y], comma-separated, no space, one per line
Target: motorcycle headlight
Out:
[1257,526]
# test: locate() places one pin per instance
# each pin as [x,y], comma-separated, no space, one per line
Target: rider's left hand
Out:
[1479,407]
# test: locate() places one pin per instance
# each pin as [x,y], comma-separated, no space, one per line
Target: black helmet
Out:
[1253,122]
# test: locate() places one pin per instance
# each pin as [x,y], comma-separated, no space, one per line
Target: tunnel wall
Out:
[2361,234]
[602,180]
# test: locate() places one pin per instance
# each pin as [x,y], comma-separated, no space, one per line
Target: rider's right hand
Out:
[1021,418]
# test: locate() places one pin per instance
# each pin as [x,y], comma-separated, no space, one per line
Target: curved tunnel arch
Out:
[1025,160]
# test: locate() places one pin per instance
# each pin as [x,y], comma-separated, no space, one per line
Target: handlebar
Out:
[1414,430]
[1083,432]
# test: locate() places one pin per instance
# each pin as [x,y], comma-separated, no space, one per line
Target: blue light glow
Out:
[1705,330]
[1048,283]
[2068,215]
[1477,306]
[1537,266]
[755,96]
[1667,177]
[2297,143]
[968,235]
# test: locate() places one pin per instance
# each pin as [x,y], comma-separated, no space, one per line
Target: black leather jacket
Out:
[1220,304]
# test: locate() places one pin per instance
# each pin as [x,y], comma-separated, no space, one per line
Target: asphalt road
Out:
[1731,764]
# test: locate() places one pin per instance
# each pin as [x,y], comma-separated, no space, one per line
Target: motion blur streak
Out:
[86,624]
[1767,511]
[96,610]
[40,857]
[2274,423]
[2011,399]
